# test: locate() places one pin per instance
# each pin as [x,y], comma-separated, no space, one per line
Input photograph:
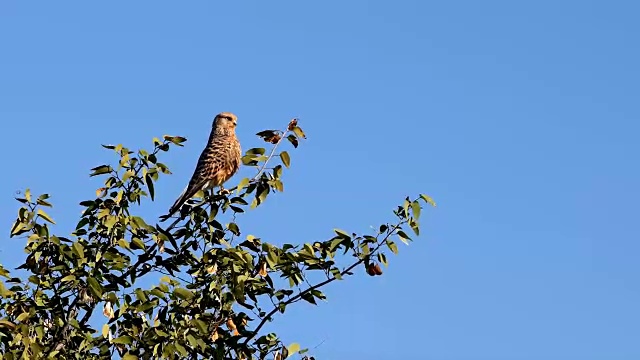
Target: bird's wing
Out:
[208,165]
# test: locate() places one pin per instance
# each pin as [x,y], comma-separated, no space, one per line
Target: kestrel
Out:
[218,162]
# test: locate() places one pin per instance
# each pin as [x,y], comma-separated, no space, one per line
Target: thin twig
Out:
[273,150]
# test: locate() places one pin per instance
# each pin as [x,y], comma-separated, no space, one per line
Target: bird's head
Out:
[225,122]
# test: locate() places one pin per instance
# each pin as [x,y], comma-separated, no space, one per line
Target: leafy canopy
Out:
[213,289]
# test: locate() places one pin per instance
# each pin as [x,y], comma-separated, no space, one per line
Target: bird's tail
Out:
[184,196]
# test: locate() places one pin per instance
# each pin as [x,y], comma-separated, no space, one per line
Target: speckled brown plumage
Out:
[218,162]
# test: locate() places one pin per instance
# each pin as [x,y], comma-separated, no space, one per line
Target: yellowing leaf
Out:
[45,216]
[286,160]
[428,200]
[105,330]
[263,269]
[293,348]
[244,182]
[108,310]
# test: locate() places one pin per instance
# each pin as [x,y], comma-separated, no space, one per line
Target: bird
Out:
[218,162]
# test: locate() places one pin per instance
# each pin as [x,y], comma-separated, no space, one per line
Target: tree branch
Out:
[321,284]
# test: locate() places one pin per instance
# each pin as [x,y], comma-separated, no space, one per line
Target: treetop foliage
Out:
[214,288]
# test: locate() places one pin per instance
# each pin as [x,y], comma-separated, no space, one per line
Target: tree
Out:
[217,289]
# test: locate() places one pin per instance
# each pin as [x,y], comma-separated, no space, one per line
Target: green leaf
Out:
[78,249]
[335,243]
[149,182]
[22,317]
[4,292]
[256,151]
[286,160]
[27,195]
[382,258]
[136,243]
[103,169]
[415,227]
[178,140]
[192,341]
[293,140]
[415,207]
[68,278]
[139,222]
[18,228]
[183,293]
[201,325]
[42,202]
[404,237]
[181,349]
[125,340]
[163,168]
[140,295]
[298,131]
[365,249]
[336,273]
[405,207]
[234,229]
[342,233]
[238,200]
[44,215]
[319,294]
[428,200]
[105,331]
[123,243]
[95,287]
[309,298]
[262,196]
[127,175]
[272,258]
[392,246]
[128,356]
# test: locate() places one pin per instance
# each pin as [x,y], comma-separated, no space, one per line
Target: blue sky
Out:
[519,118]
